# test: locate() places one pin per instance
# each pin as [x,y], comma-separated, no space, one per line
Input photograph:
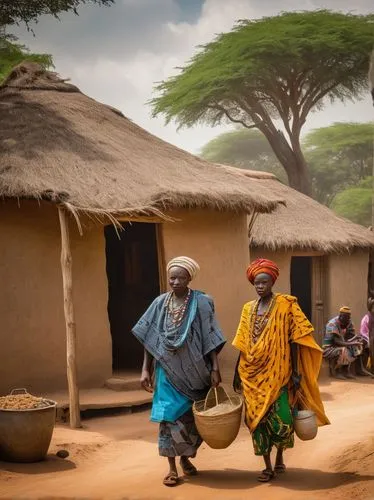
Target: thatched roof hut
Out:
[59,148]
[60,145]
[302,223]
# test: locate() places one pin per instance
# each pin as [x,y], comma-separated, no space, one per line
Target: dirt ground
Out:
[116,458]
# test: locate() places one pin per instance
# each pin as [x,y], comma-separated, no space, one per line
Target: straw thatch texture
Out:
[58,144]
[303,224]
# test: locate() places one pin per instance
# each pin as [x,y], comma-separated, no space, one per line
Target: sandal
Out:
[171,479]
[266,476]
[280,468]
[188,468]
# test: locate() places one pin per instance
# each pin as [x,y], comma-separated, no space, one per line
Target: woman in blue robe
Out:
[181,340]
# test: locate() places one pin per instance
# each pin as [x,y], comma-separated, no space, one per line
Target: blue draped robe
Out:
[182,363]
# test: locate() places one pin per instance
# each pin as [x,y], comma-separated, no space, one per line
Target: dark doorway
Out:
[301,283]
[371,274]
[133,282]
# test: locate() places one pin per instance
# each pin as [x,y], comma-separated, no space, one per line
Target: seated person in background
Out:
[366,332]
[341,346]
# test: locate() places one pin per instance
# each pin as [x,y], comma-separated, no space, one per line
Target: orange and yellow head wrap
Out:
[260,266]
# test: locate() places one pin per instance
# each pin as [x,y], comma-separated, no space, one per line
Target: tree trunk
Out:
[299,176]
[292,160]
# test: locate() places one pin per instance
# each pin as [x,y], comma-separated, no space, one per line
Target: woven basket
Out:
[221,429]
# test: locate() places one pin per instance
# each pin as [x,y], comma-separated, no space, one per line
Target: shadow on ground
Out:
[326,396]
[50,465]
[294,479]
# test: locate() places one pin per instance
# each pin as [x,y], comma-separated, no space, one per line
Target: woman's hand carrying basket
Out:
[218,418]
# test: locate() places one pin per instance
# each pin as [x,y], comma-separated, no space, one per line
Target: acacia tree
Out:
[275,68]
[12,54]
[354,203]
[16,11]
[27,11]
[244,148]
[339,156]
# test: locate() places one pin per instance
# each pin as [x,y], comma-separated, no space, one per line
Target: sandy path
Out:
[116,458]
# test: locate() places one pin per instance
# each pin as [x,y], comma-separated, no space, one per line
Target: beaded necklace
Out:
[176,312]
[257,325]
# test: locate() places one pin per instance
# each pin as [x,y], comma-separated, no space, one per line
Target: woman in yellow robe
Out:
[278,357]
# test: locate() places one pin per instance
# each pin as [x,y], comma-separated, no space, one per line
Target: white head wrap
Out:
[190,265]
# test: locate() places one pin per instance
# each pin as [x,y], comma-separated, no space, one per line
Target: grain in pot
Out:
[22,402]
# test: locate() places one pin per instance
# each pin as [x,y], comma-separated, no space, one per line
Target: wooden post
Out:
[71,339]
[318,296]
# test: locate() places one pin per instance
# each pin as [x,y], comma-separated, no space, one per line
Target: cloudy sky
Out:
[116,54]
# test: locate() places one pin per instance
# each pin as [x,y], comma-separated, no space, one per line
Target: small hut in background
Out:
[72,170]
[323,258]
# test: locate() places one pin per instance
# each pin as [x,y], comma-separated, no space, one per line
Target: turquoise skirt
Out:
[168,403]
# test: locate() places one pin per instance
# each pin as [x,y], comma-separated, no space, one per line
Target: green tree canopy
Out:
[339,156]
[16,11]
[12,54]
[244,148]
[281,67]
[355,203]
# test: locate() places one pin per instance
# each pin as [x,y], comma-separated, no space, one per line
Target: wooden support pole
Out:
[71,338]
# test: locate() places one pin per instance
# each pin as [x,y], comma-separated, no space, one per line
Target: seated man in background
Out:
[341,346]
[367,331]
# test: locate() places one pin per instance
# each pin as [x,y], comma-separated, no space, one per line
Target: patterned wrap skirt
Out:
[343,355]
[179,438]
[276,428]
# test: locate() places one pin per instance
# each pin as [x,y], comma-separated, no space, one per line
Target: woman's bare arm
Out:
[215,373]
[146,376]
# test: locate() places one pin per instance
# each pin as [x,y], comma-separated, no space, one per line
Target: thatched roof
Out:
[303,224]
[58,144]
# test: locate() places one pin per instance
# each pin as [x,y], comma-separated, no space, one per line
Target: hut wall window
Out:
[133,283]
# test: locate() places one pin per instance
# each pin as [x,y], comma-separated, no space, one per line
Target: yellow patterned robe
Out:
[265,367]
